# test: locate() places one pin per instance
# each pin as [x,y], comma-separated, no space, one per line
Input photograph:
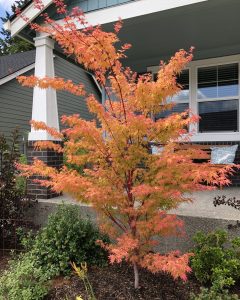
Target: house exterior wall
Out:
[90,5]
[15,106]
[69,104]
[16,100]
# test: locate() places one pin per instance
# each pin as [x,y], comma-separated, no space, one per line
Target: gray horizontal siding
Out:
[86,6]
[69,104]
[89,5]
[16,100]
[15,107]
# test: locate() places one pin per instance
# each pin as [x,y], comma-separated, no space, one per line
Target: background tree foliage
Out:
[8,44]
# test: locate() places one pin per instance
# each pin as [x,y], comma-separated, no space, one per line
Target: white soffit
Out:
[134,9]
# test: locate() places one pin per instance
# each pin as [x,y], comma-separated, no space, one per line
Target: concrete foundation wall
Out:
[40,212]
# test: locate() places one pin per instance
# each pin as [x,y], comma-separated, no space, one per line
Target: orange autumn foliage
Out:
[131,189]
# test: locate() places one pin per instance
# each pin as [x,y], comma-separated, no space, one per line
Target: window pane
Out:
[228,72]
[228,88]
[218,81]
[178,108]
[218,116]
[207,90]
[207,74]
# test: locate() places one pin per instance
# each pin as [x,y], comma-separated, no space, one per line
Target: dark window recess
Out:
[182,79]
[178,108]
[218,116]
[218,81]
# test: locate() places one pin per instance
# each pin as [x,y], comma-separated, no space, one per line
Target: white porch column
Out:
[44,100]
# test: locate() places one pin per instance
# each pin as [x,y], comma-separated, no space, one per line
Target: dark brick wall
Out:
[52,159]
[236,177]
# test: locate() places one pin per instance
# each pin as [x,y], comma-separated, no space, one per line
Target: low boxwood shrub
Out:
[66,238]
[216,259]
[212,294]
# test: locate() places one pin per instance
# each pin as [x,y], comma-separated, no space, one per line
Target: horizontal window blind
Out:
[218,81]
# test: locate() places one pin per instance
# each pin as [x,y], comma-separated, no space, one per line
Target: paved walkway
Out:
[202,205]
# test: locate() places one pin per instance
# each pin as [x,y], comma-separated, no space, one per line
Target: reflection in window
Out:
[218,81]
[218,116]
[181,99]
[178,108]
[183,81]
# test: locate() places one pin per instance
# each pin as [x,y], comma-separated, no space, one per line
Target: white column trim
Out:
[44,106]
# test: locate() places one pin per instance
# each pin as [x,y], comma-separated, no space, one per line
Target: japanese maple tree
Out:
[131,189]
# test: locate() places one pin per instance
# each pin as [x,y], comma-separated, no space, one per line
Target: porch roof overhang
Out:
[212,27]
[102,16]
[158,30]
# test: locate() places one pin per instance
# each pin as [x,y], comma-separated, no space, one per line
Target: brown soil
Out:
[116,283]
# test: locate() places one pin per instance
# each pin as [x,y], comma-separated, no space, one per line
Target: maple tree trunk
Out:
[136,276]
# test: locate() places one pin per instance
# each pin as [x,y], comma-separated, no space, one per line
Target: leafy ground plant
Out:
[216,259]
[24,280]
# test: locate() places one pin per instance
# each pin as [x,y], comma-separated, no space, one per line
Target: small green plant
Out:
[67,237]
[21,182]
[24,280]
[216,259]
[82,274]
[212,294]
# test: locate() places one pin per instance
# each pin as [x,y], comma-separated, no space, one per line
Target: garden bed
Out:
[3,262]
[116,283]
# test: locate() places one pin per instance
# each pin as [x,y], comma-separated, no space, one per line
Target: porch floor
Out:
[202,205]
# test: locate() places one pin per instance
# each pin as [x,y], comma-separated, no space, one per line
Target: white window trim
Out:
[193,101]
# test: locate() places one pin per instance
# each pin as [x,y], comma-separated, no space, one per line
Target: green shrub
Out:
[24,280]
[216,259]
[12,197]
[66,238]
[212,294]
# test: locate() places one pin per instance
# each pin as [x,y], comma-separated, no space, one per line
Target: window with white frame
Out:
[181,99]
[211,90]
[218,98]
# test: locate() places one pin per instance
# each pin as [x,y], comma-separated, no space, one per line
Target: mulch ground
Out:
[3,262]
[116,283]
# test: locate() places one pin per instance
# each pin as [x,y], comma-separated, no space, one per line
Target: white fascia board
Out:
[16,74]
[30,12]
[133,9]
